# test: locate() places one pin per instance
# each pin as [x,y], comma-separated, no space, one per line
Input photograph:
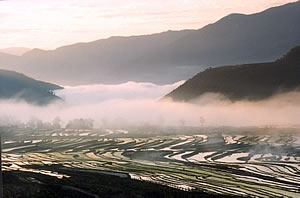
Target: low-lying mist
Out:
[138,104]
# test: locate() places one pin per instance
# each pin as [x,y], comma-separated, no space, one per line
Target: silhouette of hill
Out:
[7,60]
[249,81]
[17,51]
[169,56]
[17,86]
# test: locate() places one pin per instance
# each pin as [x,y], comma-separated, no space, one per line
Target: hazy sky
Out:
[49,24]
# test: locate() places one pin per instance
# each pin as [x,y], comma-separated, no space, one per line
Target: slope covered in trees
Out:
[249,81]
[17,86]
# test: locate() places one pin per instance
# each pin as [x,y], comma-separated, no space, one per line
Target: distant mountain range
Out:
[170,56]
[17,51]
[17,86]
[249,81]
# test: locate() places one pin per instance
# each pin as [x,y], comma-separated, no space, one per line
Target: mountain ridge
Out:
[17,86]
[17,51]
[244,82]
[167,57]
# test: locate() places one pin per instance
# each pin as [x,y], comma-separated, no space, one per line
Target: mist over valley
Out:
[207,112]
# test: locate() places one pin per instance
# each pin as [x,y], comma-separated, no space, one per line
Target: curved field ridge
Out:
[239,165]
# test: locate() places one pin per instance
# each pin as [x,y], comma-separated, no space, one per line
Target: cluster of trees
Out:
[80,124]
[57,123]
[35,123]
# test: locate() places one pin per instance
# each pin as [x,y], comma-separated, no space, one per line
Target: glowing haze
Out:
[137,104]
[93,94]
[49,24]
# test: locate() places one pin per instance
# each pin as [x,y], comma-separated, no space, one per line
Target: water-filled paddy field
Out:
[232,164]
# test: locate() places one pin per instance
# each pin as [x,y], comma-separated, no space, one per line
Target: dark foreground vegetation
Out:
[84,184]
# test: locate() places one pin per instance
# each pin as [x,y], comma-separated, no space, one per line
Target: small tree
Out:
[80,124]
[202,121]
[56,123]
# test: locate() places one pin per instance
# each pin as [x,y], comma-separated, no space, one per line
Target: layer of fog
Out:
[138,104]
[98,93]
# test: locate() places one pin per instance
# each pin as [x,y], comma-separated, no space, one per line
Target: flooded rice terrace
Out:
[237,163]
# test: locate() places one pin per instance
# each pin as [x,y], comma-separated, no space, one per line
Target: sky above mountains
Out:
[49,24]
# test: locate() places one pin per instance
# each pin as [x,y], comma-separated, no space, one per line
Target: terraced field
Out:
[240,165]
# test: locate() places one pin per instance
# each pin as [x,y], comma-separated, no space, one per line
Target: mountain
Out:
[249,81]
[169,56]
[103,61]
[17,86]
[8,60]
[17,51]
[239,38]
